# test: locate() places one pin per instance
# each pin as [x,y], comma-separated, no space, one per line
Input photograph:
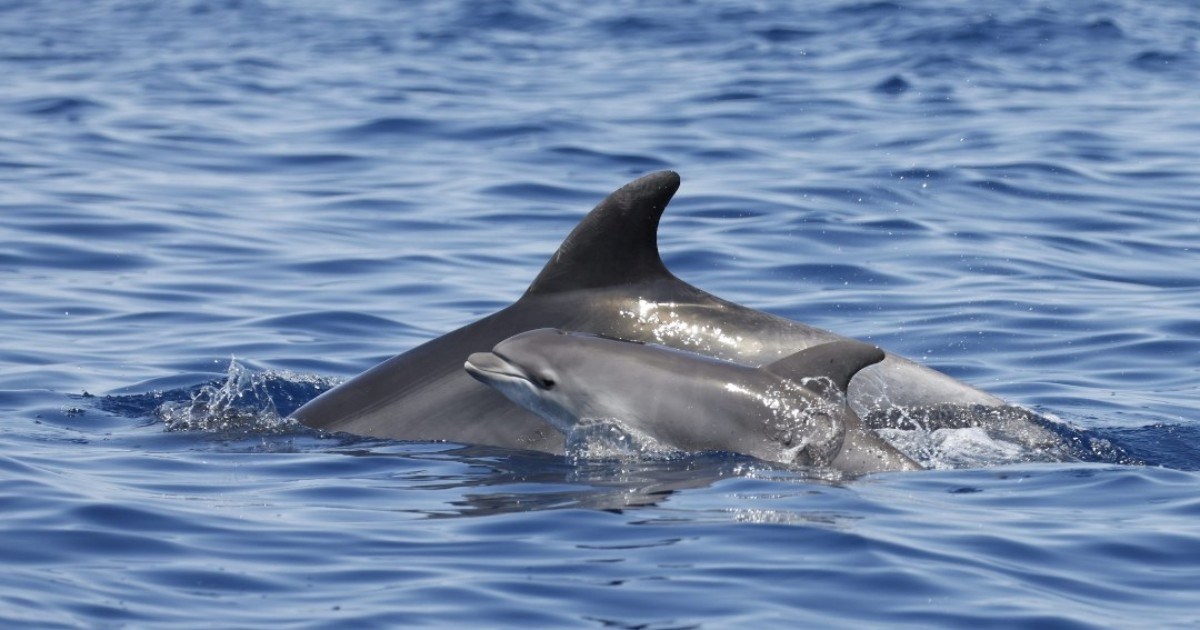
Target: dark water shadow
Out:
[505,481]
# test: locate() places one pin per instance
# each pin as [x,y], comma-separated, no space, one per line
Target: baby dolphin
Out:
[793,410]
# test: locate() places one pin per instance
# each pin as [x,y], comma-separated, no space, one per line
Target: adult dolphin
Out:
[606,278]
[792,411]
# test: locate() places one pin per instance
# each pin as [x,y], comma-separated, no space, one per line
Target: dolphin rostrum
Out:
[606,278]
[792,411]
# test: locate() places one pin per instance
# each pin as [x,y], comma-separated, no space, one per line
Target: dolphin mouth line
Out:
[493,365]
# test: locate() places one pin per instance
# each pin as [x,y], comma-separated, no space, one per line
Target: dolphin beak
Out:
[488,367]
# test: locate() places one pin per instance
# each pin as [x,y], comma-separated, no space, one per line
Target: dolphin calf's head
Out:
[523,368]
[563,377]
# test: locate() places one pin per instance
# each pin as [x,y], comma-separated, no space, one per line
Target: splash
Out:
[973,436]
[609,438]
[246,402]
[942,449]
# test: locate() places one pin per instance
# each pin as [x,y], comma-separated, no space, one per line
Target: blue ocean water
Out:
[212,210]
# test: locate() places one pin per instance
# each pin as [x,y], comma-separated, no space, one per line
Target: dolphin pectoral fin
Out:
[838,361]
[616,243]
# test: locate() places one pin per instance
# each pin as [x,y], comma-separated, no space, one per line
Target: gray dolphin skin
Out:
[606,278]
[793,410]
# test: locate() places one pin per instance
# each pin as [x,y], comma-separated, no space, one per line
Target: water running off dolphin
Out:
[793,410]
[606,278]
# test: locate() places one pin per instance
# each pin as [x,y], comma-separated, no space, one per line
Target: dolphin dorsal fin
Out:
[616,243]
[836,360]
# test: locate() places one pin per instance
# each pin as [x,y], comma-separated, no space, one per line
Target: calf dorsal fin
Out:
[838,361]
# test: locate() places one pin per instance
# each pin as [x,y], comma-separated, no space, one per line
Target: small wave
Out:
[838,274]
[503,131]
[334,323]
[64,106]
[893,85]
[537,191]
[1104,28]
[390,126]
[870,9]
[510,16]
[596,158]
[310,160]
[1157,61]
[786,34]
[74,256]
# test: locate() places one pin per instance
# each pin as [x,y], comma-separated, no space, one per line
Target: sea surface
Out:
[212,210]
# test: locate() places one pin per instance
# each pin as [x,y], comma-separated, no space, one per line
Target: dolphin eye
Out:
[546,382]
